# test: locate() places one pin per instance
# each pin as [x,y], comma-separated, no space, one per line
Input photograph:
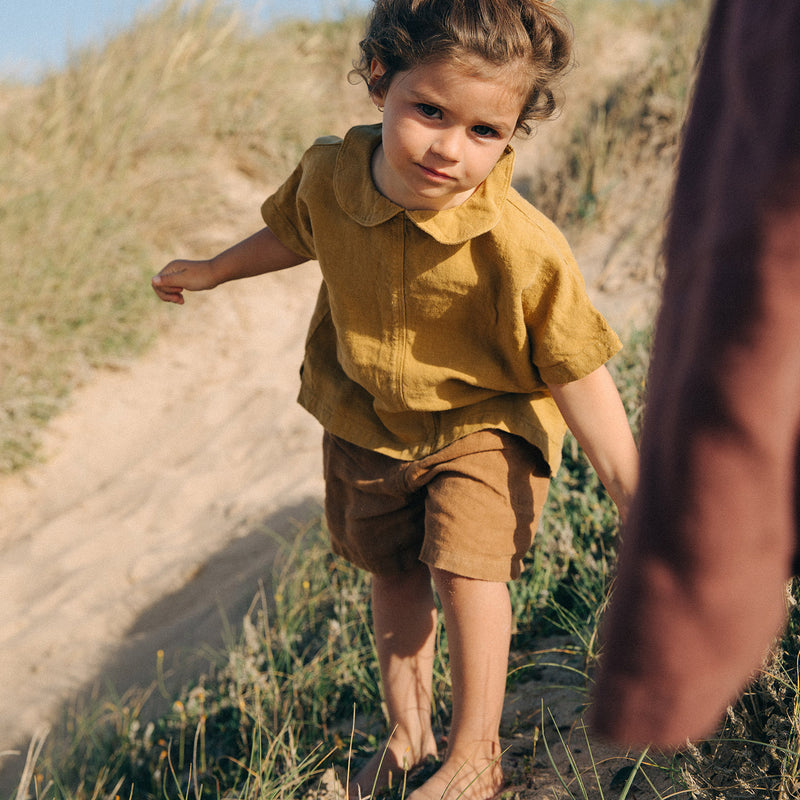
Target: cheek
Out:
[404,135]
[484,161]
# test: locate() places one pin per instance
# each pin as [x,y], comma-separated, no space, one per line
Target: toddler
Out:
[451,340]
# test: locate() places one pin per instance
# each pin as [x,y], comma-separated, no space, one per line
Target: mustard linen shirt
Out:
[432,325]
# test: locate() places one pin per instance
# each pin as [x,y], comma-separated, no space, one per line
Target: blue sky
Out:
[36,35]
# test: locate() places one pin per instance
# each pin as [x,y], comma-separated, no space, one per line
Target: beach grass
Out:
[115,162]
[107,167]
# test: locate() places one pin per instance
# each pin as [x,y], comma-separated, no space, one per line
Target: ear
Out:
[376,71]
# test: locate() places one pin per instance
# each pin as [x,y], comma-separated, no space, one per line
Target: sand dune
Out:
[136,531]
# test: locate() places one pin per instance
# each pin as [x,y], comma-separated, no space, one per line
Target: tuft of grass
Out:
[277,709]
[586,784]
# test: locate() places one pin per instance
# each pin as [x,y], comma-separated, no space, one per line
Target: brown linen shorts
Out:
[471,508]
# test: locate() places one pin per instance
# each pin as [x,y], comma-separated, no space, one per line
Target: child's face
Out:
[444,128]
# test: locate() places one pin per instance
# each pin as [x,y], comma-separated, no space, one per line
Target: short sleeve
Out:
[286,213]
[570,338]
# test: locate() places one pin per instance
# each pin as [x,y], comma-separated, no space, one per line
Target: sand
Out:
[136,531]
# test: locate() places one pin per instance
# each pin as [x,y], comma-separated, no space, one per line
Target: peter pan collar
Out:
[360,199]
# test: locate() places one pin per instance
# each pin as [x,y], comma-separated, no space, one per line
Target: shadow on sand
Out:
[190,625]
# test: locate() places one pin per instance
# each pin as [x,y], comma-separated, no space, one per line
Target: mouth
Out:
[434,174]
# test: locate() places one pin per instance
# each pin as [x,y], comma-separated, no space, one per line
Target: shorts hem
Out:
[396,564]
[480,568]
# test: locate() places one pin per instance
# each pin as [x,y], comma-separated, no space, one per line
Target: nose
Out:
[448,144]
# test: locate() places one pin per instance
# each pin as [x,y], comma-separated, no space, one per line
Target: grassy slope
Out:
[106,167]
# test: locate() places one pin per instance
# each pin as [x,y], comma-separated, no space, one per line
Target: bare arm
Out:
[258,254]
[593,410]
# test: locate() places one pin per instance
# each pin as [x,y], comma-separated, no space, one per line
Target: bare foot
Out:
[388,766]
[463,780]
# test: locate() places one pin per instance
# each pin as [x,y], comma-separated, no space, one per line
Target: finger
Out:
[171,271]
[169,294]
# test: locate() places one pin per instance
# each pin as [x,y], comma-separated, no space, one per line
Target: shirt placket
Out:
[403,318]
[398,335]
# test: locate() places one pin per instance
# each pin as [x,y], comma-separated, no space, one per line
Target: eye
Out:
[431,112]
[485,132]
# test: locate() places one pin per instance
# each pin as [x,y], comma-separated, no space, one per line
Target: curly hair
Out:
[402,34]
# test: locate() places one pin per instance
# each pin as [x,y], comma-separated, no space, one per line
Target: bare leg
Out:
[404,619]
[478,622]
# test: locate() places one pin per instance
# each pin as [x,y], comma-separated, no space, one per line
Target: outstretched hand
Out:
[256,255]
[193,276]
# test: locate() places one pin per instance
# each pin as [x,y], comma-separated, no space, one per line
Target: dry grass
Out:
[114,162]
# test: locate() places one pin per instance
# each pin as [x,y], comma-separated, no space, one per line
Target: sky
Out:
[37,35]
